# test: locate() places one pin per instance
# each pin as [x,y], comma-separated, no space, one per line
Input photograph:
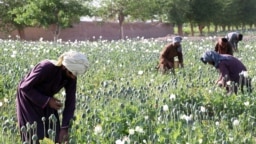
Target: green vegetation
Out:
[57,15]
[43,13]
[122,96]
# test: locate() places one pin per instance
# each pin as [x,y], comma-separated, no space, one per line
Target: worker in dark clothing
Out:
[234,38]
[167,55]
[223,46]
[230,69]
[35,96]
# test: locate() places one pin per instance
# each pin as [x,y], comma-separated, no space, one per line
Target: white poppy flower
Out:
[131,131]
[140,72]
[203,109]
[247,103]
[119,141]
[244,73]
[172,97]
[165,108]
[126,139]
[139,129]
[6,100]
[236,122]
[228,83]
[98,129]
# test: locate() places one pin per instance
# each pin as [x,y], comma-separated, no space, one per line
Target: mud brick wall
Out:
[96,30]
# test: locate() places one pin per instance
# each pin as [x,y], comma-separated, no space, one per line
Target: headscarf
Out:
[176,39]
[75,62]
[212,56]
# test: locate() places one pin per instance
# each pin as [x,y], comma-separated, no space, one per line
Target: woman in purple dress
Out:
[230,70]
[35,101]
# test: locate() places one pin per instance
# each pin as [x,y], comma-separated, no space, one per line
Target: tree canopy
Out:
[64,13]
[44,13]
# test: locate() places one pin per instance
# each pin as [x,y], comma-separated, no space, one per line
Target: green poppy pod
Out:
[23,129]
[50,131]
[34,137]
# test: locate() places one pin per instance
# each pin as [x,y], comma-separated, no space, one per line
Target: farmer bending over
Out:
[167,55]
[223,46]
[230,70]
[234,38]
[35,99]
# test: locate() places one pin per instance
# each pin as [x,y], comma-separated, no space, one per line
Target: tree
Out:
[202,12]
[176,11]
[44,13]
[120,10]
[7,22]
[245,12]
[113,10]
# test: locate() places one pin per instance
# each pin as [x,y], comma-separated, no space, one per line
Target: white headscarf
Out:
[75,62]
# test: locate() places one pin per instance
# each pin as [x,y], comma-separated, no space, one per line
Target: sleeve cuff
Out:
[46,102]
[64,127]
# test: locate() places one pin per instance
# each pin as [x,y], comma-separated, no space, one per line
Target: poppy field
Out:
[123,99]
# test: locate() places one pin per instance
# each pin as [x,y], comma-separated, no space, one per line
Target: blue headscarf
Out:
[212,56]
[177,39]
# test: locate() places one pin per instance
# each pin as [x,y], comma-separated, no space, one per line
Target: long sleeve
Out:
[29,83]
[70,103]
[166,51]
[180,57]
[224,72]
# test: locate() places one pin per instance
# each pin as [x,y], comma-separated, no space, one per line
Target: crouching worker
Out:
[167,55]
[223,46]
[230,71]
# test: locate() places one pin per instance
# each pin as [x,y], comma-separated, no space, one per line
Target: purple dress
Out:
[34,92]
[231,68]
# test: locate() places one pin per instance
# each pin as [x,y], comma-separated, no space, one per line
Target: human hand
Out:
[55,103]
[63,136]
[219,83]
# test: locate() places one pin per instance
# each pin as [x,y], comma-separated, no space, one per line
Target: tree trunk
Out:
[55,28]
[200,28]
[223,28]
[121,21]
[180,30]
[192,29]
[56,33]
[21,33]
[229,28]
[236,27]
[215,28]
[208,28]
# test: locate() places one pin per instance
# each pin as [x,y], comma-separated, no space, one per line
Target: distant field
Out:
[123,98]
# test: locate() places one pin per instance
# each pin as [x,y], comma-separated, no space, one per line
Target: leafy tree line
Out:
[60,14]
[57,14]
